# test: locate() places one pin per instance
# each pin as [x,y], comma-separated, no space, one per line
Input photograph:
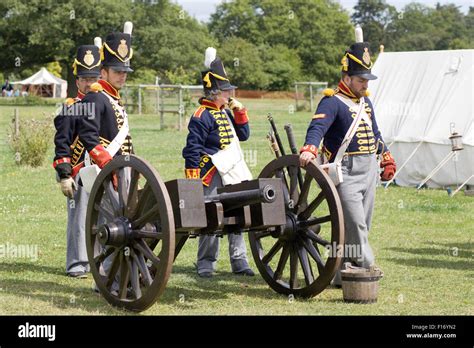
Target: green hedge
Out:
[29,100]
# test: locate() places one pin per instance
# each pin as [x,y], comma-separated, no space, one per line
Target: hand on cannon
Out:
[388,165]
[307,154]
[68,186]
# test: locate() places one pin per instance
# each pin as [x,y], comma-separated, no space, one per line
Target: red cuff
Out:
[61,160]
[76,169]
[387,159]
[310,148]
[240,116]
[100,156]
[192,173]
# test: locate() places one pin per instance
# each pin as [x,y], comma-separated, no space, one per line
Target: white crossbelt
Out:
[89,172]
[361,115]
[334,169]
[230,162]
[117,142]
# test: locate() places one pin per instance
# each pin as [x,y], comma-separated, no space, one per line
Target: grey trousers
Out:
[208,250]
[76,252]
[357,194]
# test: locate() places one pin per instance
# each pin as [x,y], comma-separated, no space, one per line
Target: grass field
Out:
[423,241]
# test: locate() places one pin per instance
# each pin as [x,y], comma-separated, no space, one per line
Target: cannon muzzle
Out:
[233,200]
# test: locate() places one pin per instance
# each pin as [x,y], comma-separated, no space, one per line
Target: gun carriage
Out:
[136,230]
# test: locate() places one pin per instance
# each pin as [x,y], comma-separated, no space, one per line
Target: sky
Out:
[202,9]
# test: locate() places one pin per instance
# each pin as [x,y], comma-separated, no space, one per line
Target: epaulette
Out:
[70,101]
[329,92]
[199,111]
[96,87]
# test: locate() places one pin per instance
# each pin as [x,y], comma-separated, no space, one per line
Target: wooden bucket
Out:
[360,285]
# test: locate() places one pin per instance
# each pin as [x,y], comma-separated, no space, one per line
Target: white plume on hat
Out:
[98,41]
[359,35]
[210,56]
[127,28]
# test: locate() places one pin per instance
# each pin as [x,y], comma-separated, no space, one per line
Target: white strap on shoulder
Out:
[117,142]
[350,103]
[352,129]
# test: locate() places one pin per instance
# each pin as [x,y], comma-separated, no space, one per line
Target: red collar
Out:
[209,104]
[344,89]
[110,89]
[80,95]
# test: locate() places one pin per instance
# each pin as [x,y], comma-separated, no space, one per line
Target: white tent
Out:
[419,99]
[45,84]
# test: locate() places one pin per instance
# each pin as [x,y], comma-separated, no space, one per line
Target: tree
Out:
[243,63]
[169,40]
[41,31]
[374,16]
[283,66]
[317,30]
[36,32]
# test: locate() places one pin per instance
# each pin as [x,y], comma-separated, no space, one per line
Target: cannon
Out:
[135,231]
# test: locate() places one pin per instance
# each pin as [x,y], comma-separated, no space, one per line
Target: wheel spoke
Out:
[146,193]
[281,174]
[293,268]
[316,238]
[109,191]
[135,279]
[147,234]
[305,265]
[132,201]
[104,254]
[140,261]
[147,252]
[303,198]
[285,253]
[314,221]
[104,211]
[293,173]
[113,269]
[272,252]
[124,277]
[312,207]
[314,254]
[122,189]
[262,234]
[149,216]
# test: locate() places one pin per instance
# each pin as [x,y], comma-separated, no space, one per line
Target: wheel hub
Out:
[291,227]
[116,233]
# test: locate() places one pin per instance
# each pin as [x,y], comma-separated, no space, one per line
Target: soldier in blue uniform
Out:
[214,128]
[69,155]
[331,121]
[106,115]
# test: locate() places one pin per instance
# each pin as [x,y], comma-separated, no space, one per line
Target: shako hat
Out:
[87,61]
[357,61]
[215,77]
[117,50]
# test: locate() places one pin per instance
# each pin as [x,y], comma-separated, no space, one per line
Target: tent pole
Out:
[462,185]
[404,163]
[436,169]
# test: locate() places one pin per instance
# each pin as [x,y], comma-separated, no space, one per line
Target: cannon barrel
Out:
[233,200]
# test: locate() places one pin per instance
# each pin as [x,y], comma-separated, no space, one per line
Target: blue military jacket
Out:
[102,121]
[68,149]
[209,132]
[333,118]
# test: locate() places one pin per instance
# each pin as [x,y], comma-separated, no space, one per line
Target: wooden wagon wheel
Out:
[312,236]
[130,233]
